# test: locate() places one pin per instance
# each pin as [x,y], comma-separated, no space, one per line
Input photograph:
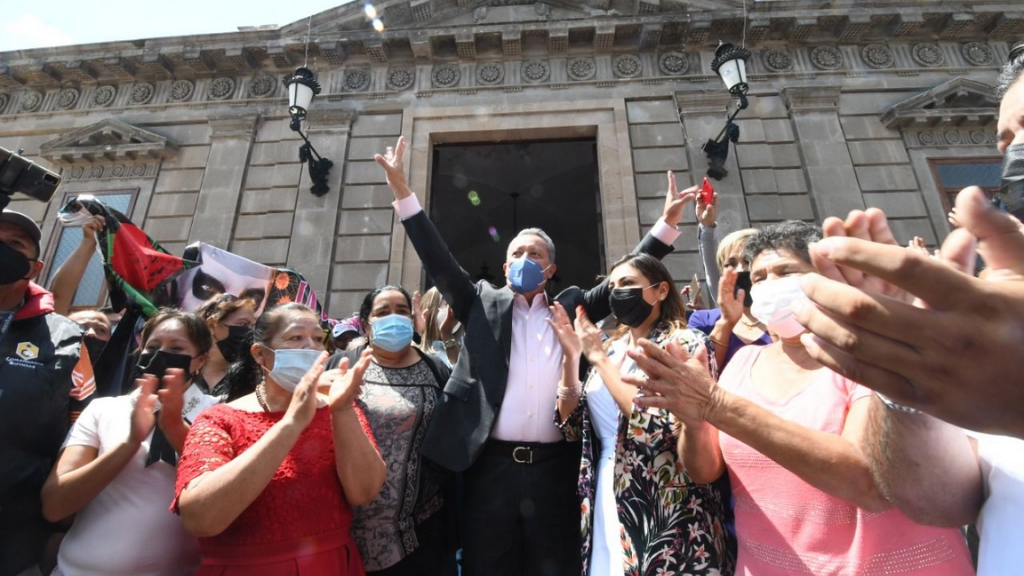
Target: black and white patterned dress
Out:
[399,404]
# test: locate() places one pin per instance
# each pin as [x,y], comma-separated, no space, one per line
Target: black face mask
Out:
[1011,193]
[95,347]
[238,341]
[14,265]
[629,307]
[743,283]
[157,363]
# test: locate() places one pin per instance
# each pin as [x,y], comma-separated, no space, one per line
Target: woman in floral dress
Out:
[641,513]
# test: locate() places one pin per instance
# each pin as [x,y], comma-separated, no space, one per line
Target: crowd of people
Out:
[848,408]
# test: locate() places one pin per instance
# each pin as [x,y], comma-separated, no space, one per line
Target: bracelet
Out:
[897,407]
[570,393]
[717,343]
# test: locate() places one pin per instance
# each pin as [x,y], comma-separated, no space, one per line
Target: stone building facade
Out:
[853,104]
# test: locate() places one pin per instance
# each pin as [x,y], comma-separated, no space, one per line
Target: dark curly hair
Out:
[792,236]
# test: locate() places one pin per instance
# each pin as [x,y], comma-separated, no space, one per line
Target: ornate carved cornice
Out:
[960,102]
[107,141]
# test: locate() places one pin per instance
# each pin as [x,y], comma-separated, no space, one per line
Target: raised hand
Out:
[347,386]
[394,166]
[730,304]
[172,397]
[143,419]
[590,337]
[419,315]
[675,201]
[571,347]
[675,381]
[302,407]
[91,227]
[707,213]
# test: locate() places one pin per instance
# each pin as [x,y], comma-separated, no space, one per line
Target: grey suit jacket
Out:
[472,398]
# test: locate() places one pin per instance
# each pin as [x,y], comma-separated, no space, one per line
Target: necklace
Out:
[749,324]
[261,399]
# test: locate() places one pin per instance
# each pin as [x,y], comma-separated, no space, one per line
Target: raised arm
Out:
[657,243]
[706,244]
[451,280]
[67,278]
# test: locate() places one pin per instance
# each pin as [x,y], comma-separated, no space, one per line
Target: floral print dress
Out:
[668,525]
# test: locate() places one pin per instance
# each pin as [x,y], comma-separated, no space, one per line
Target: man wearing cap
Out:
[44,378]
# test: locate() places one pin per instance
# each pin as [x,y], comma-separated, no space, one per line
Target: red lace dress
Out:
[299,524]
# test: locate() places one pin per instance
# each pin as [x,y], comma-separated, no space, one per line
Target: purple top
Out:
[704,320]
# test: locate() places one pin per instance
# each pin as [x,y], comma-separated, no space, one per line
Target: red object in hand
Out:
[706,191]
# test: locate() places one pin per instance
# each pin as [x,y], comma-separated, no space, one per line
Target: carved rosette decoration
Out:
[490,74]
[673,63]
[580,69]
[357,80]
[4,100]
[96,171]
[67,98]
[977,53]
[262,86]
[777,60]
[445,75]
[77,172]
[31,102]
[400,78]
[535,71]
[827,58]
[928,55]
[877,56]
[104,96]
[221,88]
[138,170]
[141,93]
[181,91]
[627,66]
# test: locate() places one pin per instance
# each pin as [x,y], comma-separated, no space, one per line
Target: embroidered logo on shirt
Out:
[27,351]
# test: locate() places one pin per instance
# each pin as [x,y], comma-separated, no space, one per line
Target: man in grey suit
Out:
[495,422]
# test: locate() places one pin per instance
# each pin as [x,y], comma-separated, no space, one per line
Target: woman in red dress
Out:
[267,482]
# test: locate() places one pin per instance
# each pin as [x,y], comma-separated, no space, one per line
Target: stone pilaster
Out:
[314,227]
[827,162]
[231,141]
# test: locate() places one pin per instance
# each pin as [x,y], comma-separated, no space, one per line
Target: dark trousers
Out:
[522,519]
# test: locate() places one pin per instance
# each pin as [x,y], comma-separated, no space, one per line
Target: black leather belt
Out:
[528,452]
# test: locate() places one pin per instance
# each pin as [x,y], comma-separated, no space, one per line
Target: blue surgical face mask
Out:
[290,365]
[525,275]
[392,332]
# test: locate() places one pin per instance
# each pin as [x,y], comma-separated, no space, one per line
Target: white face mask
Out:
[773,302]
[442,315]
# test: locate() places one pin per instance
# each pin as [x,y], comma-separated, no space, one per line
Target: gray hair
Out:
[1012,71]
[543,236]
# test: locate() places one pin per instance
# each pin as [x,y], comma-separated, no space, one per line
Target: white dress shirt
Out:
[535,362]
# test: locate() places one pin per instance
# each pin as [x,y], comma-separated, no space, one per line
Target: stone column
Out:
[827,162]
[315,225]
[703,114]
[231,141]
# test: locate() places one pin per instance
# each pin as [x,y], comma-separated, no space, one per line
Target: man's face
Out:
[94,324]
[534,248]
[18,239]
[1010,129]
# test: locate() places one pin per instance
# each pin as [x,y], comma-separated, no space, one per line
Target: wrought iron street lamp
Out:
[730,64]
[302,87]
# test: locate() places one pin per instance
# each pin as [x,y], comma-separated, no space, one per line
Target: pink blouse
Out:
[786,526]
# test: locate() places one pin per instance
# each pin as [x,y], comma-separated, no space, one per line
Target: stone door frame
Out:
[604,120]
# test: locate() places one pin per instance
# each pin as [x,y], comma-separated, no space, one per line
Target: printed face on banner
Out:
[222,272]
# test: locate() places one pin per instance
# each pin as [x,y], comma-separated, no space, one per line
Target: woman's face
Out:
[170,336]
[626,276]
[244,316]
[387,303]
[775,264]
[300,331]
[735,259]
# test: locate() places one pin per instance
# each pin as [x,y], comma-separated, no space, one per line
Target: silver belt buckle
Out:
[527,460]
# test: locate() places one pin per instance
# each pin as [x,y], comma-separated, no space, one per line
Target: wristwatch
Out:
[450,343]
